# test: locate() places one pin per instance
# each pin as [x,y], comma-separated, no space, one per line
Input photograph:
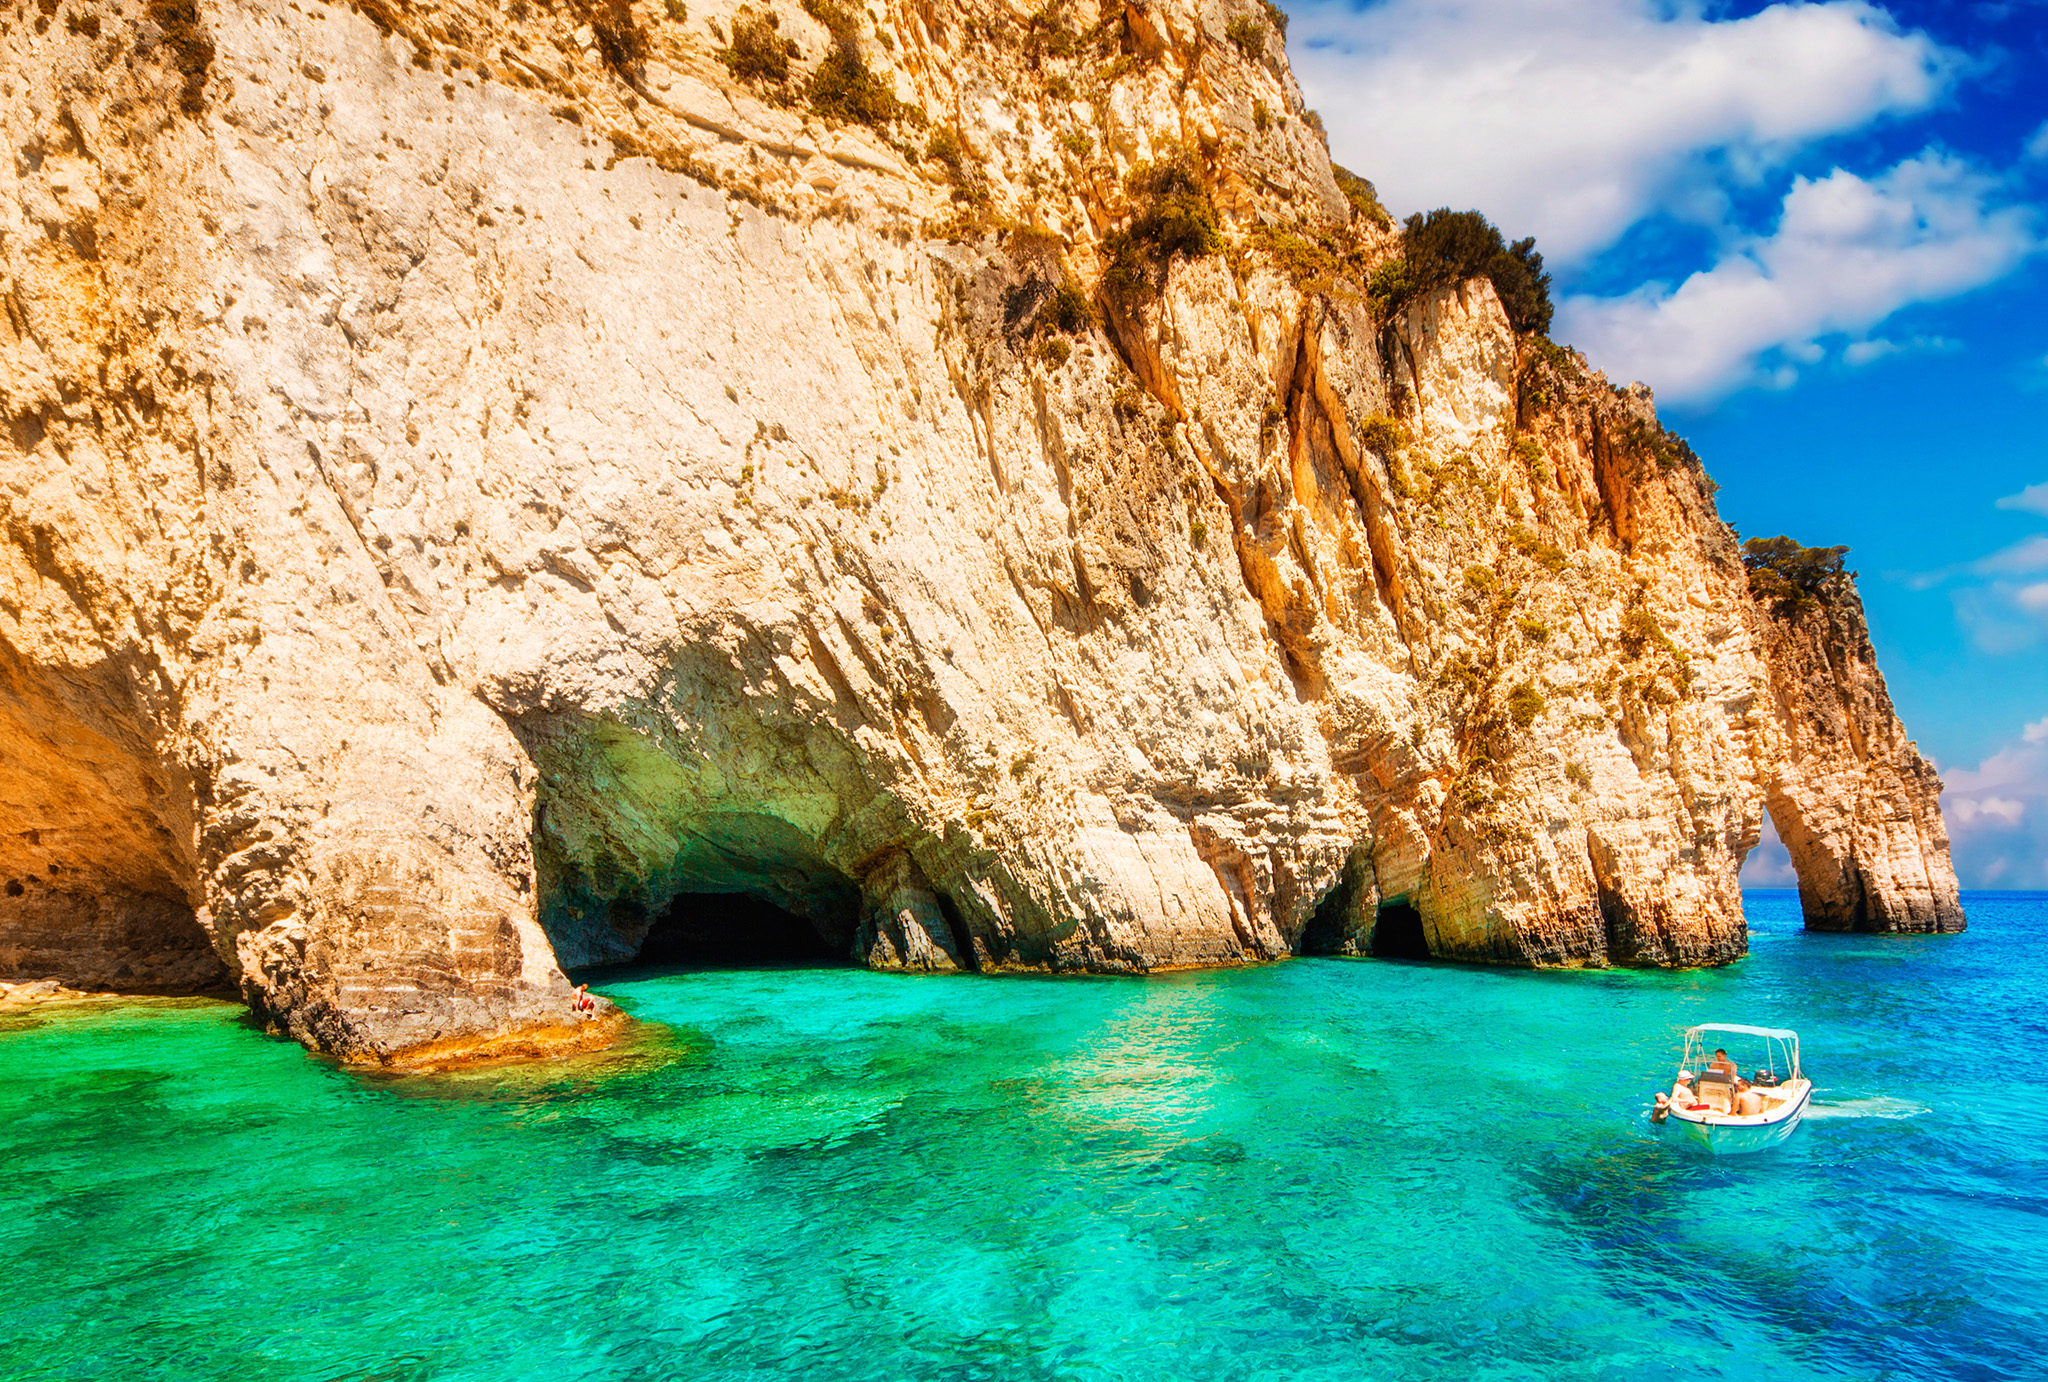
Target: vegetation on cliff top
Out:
[1788,576]
[1363,196]
[1446,248]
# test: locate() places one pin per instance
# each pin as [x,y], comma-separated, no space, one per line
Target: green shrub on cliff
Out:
[843,88]
[1039,307]
[1248,35]
[1446,247]
[758,55]
[1312,263]
[1069,313]
[1641,632]
[1390,286]
[1383,434]
[1171,218]
[1525,703]
[1363,196]
[1545,554]
[621,42]
[1788,576]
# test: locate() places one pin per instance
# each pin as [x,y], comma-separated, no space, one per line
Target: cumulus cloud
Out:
[1997,814]
[2037,147]
[1572,119]
[1847,253]
[2032,499]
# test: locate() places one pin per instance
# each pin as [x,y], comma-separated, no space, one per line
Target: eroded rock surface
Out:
[1854,802]
[479,474]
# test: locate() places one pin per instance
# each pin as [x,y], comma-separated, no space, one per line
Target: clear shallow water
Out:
[1321,1169]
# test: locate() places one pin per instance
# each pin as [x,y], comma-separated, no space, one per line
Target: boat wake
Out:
[1877,1106]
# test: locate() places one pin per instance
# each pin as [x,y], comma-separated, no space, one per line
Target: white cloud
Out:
[1864,352]
[1970,809]
[2023,558]
[1572,119]
[1997,814]
[1858,353]
[2032,499]
[2037,147]
[1847,253]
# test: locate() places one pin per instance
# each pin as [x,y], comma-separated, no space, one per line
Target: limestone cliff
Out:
[1854,802]
[477,474]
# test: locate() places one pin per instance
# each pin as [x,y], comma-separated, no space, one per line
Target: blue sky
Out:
[1820,232]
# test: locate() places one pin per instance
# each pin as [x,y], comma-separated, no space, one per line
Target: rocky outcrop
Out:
[479,474]
[1853,800]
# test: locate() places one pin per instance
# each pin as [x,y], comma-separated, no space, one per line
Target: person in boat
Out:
[1721,1063]
[1748,1103]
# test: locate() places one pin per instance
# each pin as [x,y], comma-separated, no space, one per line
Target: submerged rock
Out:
[478,475]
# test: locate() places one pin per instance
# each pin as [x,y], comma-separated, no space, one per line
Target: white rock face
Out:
[477,475]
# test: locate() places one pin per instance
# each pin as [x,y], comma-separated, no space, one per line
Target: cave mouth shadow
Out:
[698,931]
[1398,934]
[1334,928]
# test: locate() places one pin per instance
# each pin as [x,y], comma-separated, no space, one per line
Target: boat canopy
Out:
[1777,1032]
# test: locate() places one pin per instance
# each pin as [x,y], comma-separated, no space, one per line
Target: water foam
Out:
[1876,1106]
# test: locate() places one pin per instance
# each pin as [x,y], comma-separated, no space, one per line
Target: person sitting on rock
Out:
[586,1006]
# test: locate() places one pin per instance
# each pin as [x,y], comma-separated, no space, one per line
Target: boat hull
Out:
[1719,1135]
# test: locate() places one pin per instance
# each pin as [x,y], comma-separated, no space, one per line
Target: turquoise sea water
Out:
[1319,1169]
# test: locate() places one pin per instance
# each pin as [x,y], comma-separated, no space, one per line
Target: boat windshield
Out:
[1762,1055]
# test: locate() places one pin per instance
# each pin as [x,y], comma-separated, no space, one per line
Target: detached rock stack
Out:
[967,476]
[1854,802]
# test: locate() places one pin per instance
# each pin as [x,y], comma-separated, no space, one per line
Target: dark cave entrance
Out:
[1340,926]
[738,931]
[1397,933]
[1329,931]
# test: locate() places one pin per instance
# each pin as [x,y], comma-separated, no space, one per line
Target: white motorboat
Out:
[1702,1106]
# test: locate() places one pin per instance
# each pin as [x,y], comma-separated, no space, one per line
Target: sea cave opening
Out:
[1340,926]
[1397,933]
[739,931]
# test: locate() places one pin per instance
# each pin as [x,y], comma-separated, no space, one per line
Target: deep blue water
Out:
[1319,1169]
